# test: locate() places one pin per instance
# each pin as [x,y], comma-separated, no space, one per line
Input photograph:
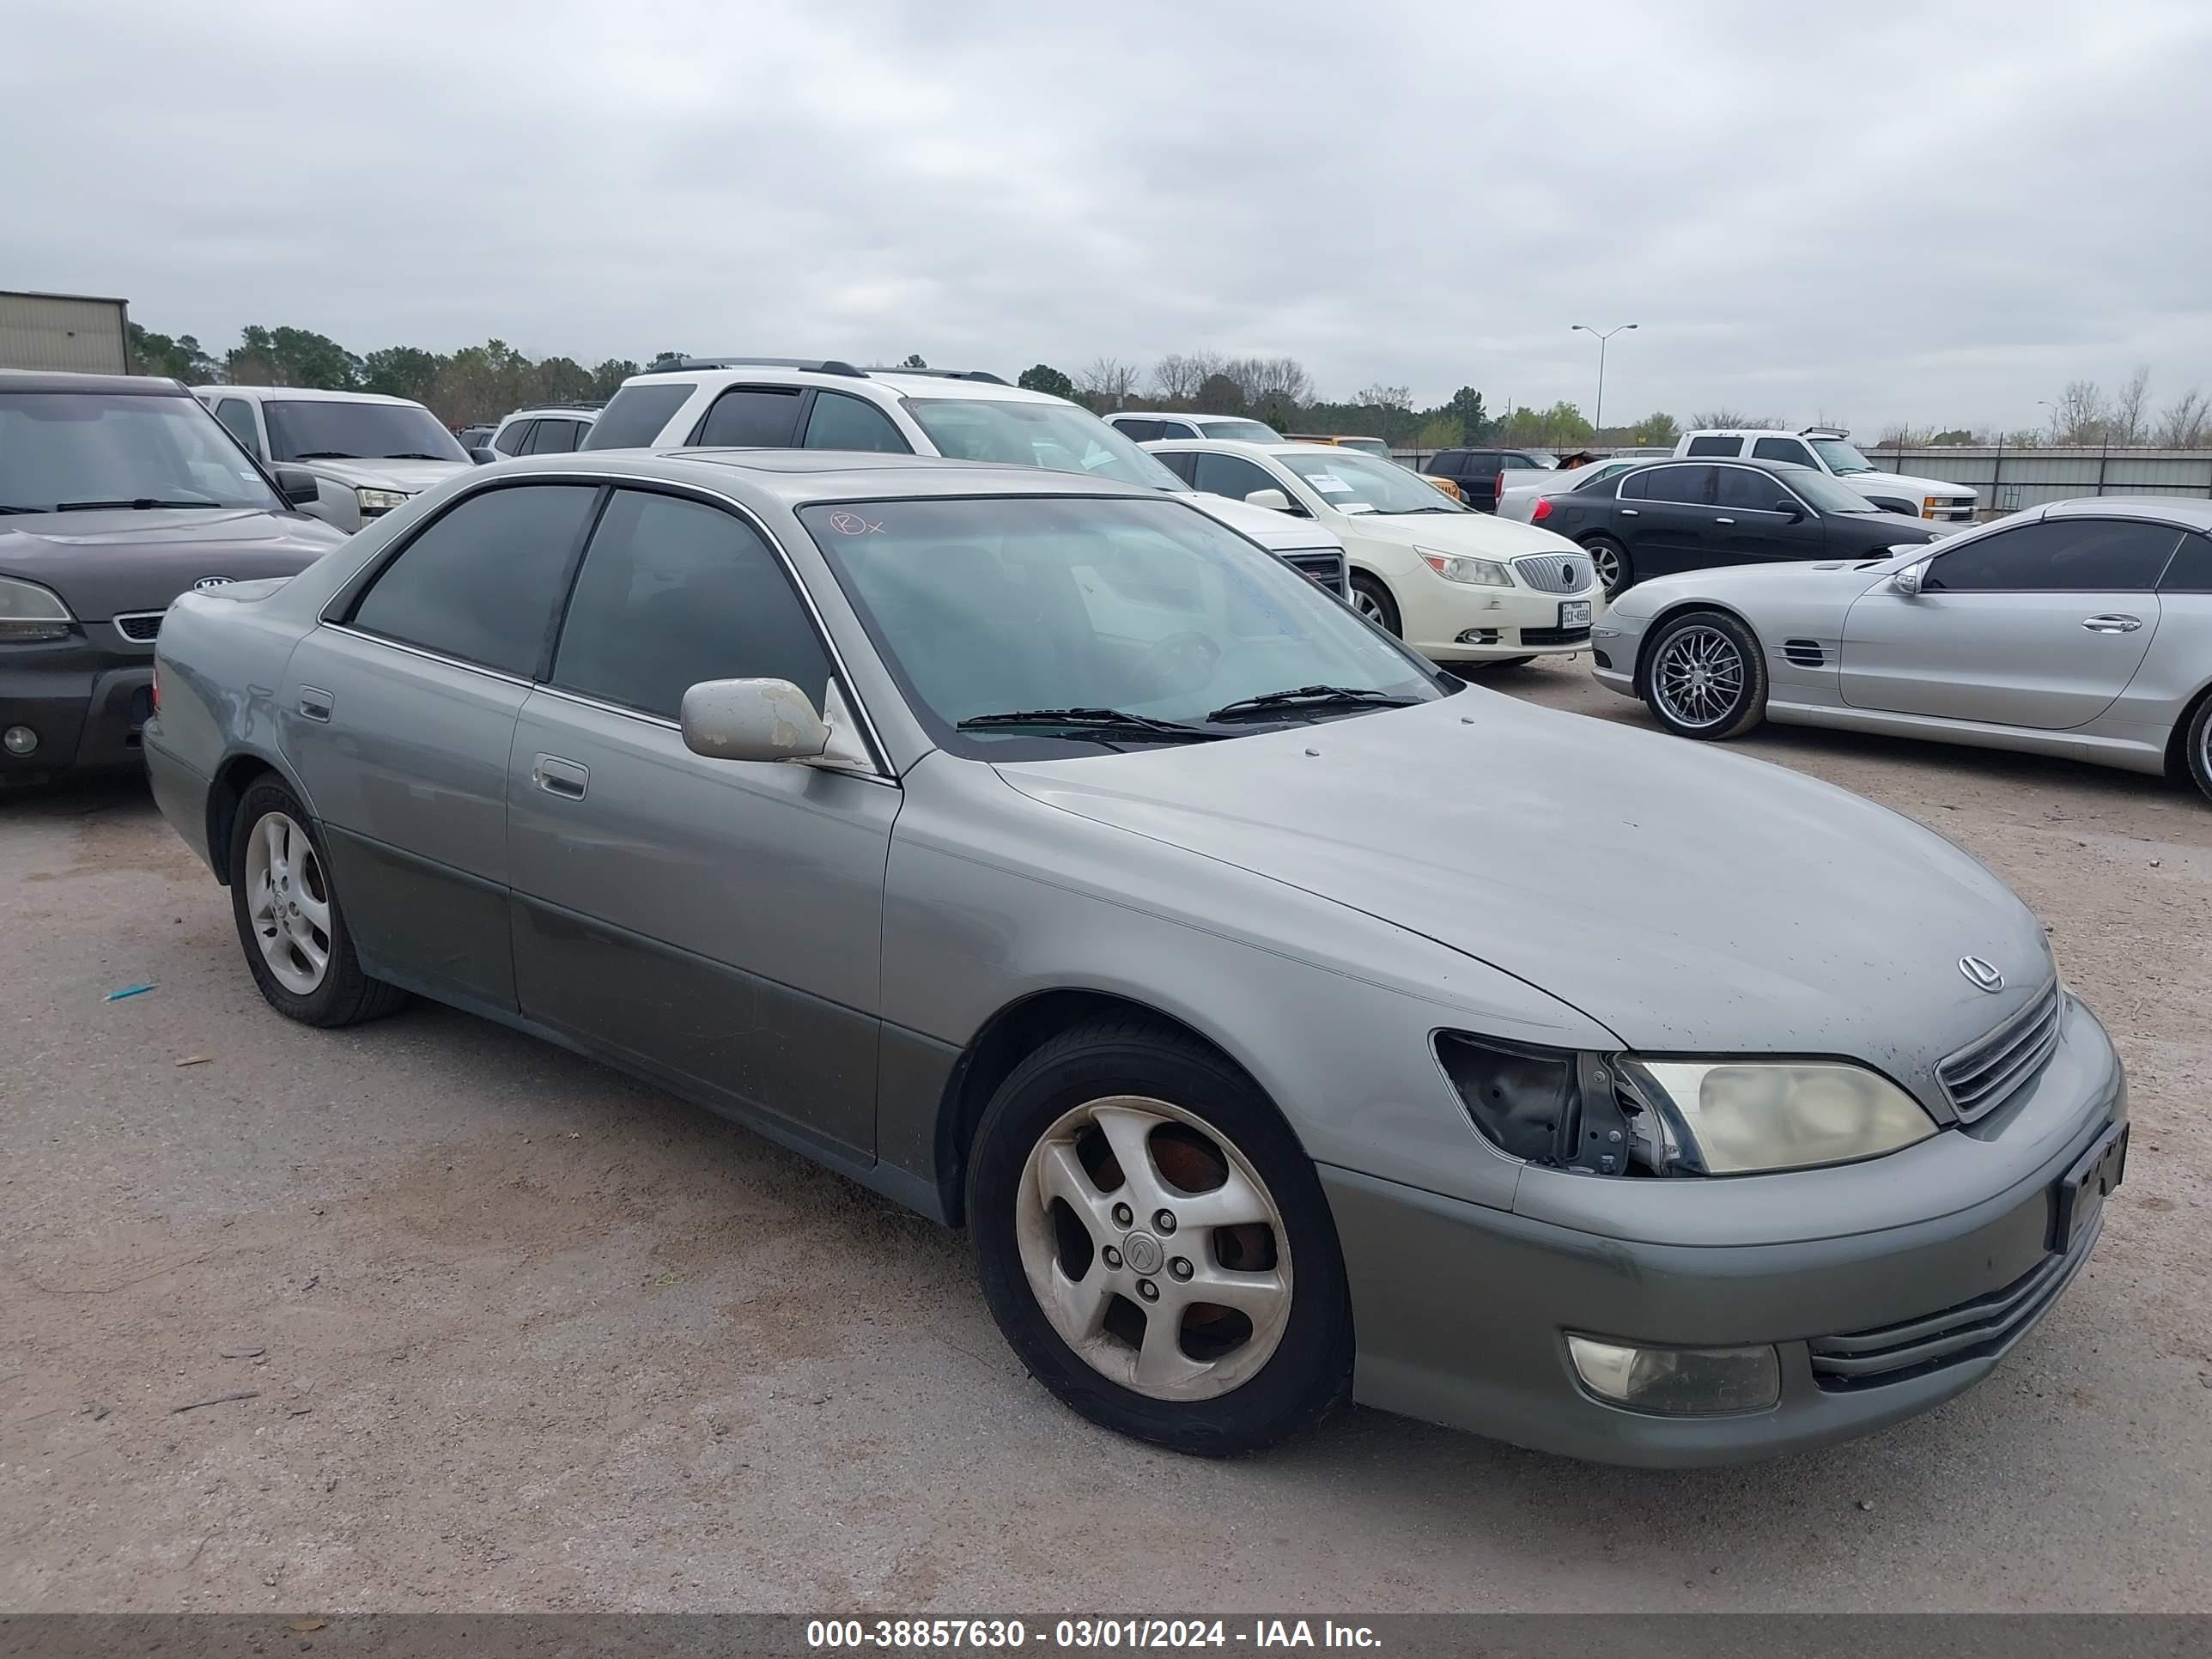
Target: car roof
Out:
[795,477]
[128,385]
[1779,468]
[1242,447]
[1764,431]
[306,394]
[902,382]
[2166,509]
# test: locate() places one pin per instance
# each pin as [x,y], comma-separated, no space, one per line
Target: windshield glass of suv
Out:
[1058,437]
[60,448]
[1352,483]
[1004,605]
[1825,492]
[1243,432]
[1842,456]
[330,429]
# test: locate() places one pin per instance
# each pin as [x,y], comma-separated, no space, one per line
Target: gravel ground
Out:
[487,1327]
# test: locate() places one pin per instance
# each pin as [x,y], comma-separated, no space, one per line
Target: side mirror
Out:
[1789,508]
[1907,580]
[299,487]
[1273,500]
[483,454]
[751,721]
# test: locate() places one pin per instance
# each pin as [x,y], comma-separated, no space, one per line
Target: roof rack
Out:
[812,365]
[984,375]
[571,403]
[1824,432]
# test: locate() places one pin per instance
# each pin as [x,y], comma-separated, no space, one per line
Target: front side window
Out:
[1746,490]
[751,418]
[840,422]
[237,415]
[1014,605]
[1683,485]
[513,436]
[1352,483]
[1057,436]
[480,582]
[635,416]
[1716,447]
[1184,463]
[76,450]
[2058,556]
[332,429]
[674,592]
[1781,449]
[1233,476]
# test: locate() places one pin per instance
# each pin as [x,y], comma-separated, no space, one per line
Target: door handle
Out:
[2112,623]
[314,703]
[1627,512]
[560,777]
[1723,520]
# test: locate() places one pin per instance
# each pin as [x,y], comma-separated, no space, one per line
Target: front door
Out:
[1666,515]
[2039,625]
[715,922]
[1756,520]
[398,716]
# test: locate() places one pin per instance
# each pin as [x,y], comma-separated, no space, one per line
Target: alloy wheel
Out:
[1606,563]
[288,904]
[1699,677]
[1370,607]
[1154,1248]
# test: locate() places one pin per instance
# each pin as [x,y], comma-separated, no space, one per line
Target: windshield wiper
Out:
[1086,721]
[1401,512]
[1303,697]
[324,455]
[9,507]
[413,455]
[141,504]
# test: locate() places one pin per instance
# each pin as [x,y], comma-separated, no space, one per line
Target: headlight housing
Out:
[1478,572]
[1620,1114]
[30,613]
[374,502]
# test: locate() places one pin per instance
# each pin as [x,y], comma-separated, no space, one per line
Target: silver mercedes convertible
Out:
[1045,856]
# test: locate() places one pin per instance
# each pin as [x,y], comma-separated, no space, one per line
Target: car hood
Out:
[102,564]
[1901,481]
[1277,531]
[1748,584]
[378,473]
[1690,900]
[1484,535]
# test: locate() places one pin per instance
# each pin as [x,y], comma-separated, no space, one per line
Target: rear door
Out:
[1756,520]
[1666,517]
[2039,625]
[398,715]
[715,922]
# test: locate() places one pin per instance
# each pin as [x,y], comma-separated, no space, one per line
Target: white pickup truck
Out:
[1828,450]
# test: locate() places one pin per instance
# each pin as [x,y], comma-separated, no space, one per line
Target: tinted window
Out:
[554,437]
[1233,476]
[1182,463]
[673,593]
[238,415]
[635,416]
[1740,486]
[307,429]
[512,437]
[841,423]
[2058,556]
[1716,447]
[2191,570]
[1779,449]
[482,582]
[1446,461]
[1185,429]
[1692,484]
[752,417]
[1143,432]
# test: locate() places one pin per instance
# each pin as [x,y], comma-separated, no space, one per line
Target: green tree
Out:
[560,380]
[1218,394]
[401,372]
[1044,377]
[180,359]
[666,360]
[607,378]
[290,356]
[1658,431]
[1465,407]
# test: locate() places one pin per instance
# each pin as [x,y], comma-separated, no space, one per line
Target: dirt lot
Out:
[499,1329]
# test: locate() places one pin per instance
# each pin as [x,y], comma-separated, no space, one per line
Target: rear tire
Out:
[290,925]
[1089,1140]
[2197,745]
[1704,677]
[1615,573]
[1372,601]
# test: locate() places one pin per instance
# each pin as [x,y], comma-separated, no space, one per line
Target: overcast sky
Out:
[1926,213]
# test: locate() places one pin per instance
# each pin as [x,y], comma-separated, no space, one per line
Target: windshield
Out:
[1001,604]
[1823,492]
[1059,437]
[1352,483]
[1840,456]
[72,447]
[1243,432]
[329,429]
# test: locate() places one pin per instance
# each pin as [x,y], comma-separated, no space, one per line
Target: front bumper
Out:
[1463,1310]
[86,704]
[1472,624]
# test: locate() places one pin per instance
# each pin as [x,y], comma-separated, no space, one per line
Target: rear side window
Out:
[1142,432]
[554,437]
[1686,484]
[1781,449]
[838,421]
[1716,447]
[751,418]
[1446,462]
[2058,556]
[674,592]
[635,416]
[512,437]
[2191,570]
[483,580]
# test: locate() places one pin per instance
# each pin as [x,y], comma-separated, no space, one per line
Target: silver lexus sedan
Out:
[1045,856]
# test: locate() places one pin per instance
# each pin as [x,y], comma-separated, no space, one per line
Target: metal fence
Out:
[2009,479]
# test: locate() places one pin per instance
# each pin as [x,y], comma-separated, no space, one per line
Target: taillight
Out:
[1497,486]
[1541,511]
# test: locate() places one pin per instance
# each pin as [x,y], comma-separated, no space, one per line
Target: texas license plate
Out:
[1574,613]
[2082,1189]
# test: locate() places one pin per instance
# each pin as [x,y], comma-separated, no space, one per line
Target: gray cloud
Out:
[1920,213]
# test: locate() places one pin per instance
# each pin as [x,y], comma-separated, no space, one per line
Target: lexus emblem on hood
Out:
[1983,975]
[205,583]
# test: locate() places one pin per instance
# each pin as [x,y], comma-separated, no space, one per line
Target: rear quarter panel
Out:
[221,661]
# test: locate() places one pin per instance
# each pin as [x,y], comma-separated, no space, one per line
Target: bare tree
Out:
[2131,408]
[1274,379]
[1110,380]
[1725,417]
[1384,397]
[1176,377]
[2081,416]
[2184,424]
[1903,436]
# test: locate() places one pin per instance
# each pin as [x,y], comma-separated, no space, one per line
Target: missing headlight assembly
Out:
[1571,1111]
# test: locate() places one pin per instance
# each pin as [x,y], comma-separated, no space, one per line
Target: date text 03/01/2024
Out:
[1009,1635]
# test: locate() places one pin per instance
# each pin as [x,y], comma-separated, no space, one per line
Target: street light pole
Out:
[1597,421]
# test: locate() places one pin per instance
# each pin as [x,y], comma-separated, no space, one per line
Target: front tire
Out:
[290,922]
[1155,1244]
[1705,677]
[1372,601]
[2197,744]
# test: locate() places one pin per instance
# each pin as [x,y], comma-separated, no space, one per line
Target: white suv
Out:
[1150,426]
[784,403]
[1829,449]
[368,453]
[547,429]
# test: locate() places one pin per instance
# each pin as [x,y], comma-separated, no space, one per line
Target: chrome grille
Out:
[1325,566]
[1554,573]
[139,626]
[1971,1330]
[1985,1073]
